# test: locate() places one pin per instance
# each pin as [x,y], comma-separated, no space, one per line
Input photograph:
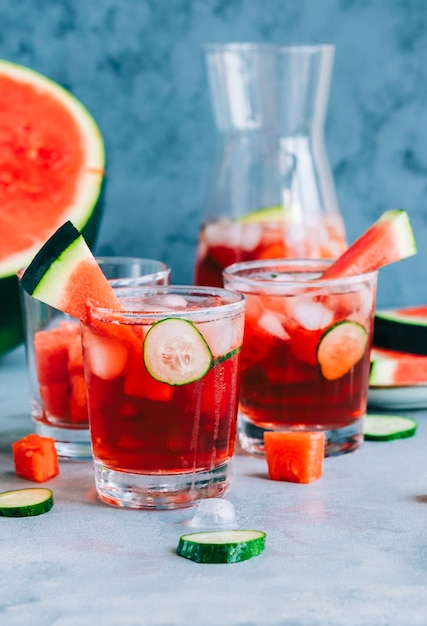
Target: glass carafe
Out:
[272,194]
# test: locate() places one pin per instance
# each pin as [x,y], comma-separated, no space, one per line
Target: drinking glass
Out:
[162,377]
[55,361]
[305,356]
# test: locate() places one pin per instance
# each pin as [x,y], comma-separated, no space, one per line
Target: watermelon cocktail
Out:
[162,376]
[305,357]
[55,359]
[264,234]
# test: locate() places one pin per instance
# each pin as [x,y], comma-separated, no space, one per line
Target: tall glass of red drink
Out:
[305,355]
[162,378]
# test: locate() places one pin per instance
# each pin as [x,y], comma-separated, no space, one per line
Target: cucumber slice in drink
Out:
[225,357]
[221,546]
[175,352]
[25,502]
[388,427]
[341,346]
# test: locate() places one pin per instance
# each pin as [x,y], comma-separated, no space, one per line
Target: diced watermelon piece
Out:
[51,348]
[75,352]
[35,458]
[51,354]
[55,398]
[294,456]
[78,406]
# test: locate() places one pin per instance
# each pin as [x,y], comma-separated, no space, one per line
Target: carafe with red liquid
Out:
[272,193]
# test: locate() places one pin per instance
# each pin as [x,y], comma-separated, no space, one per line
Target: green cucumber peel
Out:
[25,502]
[388,427]
[222,546]
[224,357]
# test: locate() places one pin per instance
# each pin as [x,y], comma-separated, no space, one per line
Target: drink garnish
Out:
[389,239]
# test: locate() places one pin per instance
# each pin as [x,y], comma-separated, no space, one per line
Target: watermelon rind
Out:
[389,239]
[44,278]
[395,331]
[382,372]
[405,242]
[85,211]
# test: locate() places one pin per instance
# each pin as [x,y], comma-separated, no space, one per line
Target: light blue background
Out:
[137,66]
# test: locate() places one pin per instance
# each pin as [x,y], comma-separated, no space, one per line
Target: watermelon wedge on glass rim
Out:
[388,240]
[52,163]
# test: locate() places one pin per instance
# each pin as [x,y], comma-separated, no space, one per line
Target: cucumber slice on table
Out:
[25,502]
[175,352]
[388,427]
[341,346]
[221,546]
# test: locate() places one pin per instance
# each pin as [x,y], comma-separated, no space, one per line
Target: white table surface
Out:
[349,549]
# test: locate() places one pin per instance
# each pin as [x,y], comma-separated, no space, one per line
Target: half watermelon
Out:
[404,329]
[52,165]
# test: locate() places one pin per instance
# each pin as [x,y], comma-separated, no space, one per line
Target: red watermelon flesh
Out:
[51,162]
[393,368]
[30,146]
[52,165]
[388,240]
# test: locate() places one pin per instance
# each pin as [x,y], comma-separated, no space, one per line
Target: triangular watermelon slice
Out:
[65,275]
[388,240]
[52,165]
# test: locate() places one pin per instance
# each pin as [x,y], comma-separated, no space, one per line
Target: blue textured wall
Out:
[137,66]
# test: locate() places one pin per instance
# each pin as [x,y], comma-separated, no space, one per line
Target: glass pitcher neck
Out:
[280,91]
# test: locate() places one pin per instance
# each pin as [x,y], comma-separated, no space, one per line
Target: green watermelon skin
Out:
[401,330]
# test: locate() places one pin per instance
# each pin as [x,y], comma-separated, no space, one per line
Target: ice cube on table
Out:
[214,513]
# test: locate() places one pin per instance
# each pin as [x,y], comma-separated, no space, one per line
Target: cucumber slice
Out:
[388,427]
[221,546]
[175,352]
[341,346]
[25,502]
[225,357]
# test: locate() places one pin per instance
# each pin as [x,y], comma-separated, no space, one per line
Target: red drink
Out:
[147,426]
[162,387]
[224,242]
[305,357]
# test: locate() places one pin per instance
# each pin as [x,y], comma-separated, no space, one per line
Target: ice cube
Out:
[232,235]
[214,513]
[311,315]
[272,325]
[107,358]
[222,336]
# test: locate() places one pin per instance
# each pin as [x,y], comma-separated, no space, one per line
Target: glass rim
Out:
[234,303]
[246,46]
[235,271]
[105,258]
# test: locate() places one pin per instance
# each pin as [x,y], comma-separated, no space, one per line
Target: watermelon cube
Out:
[35,458]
